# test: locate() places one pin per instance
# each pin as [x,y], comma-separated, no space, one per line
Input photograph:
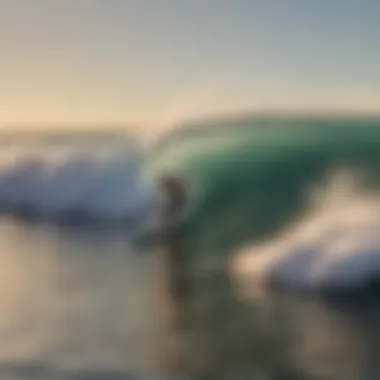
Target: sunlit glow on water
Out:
[74,302]
[86,303]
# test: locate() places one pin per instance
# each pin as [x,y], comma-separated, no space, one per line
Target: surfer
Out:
[176,194]
[177,280]
[175,191]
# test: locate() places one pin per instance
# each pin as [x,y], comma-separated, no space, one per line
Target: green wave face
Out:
[249,177]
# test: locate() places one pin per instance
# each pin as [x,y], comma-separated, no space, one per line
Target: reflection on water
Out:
[85,305]
[74,301]
[325,343]
[282,336]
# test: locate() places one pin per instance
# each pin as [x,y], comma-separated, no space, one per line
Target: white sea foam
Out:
[337,245]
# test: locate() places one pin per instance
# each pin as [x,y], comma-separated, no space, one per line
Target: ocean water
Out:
[271,274]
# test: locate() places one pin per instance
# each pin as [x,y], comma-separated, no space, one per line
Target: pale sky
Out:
[155,61]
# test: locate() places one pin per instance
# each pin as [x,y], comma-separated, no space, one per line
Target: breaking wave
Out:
[302,194]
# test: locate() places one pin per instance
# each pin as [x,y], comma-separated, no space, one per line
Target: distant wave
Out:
[94,183]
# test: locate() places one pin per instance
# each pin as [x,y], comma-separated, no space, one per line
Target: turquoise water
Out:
[250,177]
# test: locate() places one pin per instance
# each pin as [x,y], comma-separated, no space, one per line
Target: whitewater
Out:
[91,183]
[334,247]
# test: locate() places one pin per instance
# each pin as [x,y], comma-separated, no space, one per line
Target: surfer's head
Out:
[175,192]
